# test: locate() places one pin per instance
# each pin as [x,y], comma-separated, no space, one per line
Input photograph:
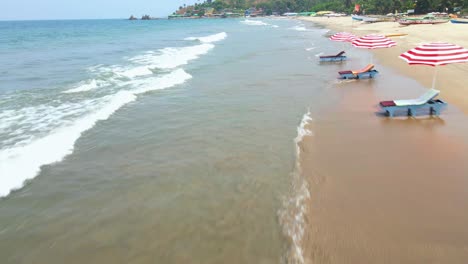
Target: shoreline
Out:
[387,190]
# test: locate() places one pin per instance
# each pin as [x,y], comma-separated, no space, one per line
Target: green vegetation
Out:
[347,6]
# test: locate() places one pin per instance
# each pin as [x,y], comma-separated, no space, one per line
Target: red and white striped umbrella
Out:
[435,54]
[343,36]
[373,41]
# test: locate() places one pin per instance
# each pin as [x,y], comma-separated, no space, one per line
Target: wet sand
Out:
[388,190]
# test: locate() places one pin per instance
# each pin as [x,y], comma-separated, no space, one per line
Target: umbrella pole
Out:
[434,78]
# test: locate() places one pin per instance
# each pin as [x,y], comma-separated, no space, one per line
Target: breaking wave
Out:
[147,64]
[210,39]
[23,160]
[254,23]
[292,216]
[45,133]
[299,28]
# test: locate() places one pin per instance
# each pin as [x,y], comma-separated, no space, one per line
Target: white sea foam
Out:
[86,86]
[134,72]
[210,39]
[22,162]
[254,23]
[311,48]
[146,64]
[274,26]
[292,216]
[299,28]
[167,58]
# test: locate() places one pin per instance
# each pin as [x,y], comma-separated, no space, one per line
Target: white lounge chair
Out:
[411,105]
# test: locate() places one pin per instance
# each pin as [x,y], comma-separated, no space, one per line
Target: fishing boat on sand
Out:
[428,19]
[358,18]
[459,21]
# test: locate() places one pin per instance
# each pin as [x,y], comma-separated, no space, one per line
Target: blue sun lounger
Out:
[412,105]
[367,72]
[337,57]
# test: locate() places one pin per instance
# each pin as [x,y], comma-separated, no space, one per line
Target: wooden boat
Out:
[356,17]
[375,19]
[459,21]
[429,19]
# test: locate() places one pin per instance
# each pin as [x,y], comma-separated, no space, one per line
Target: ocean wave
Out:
[254,23]
[210,38]
[167,58]
[144,65]
[292,215]
[86,86]
[299,28]
[23,160]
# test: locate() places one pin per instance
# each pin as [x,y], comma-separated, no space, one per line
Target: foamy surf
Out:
[86,86]
[292,216]
[22,162]
[299,28]
[167,58]
[210,38]
[146,64]
[254,23]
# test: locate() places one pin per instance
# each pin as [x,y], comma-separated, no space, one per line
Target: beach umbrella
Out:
[373,41]
[343,36]
[435,54]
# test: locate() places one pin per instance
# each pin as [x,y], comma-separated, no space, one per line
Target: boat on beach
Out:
[459,21]
[428,19]
[375,19]
[358,18]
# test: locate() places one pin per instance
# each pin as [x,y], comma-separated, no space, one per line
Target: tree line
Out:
[347,6]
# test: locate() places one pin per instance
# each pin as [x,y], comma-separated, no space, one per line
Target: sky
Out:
[87,9]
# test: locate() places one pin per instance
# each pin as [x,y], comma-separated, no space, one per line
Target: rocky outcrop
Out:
[132,18]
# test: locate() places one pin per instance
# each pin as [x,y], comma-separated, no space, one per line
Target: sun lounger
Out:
[411,105]
[367,72]
[337,57]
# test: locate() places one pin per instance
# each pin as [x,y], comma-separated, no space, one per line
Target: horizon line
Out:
[70,19]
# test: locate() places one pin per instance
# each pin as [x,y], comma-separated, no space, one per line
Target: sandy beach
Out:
[389,190]
[450,79]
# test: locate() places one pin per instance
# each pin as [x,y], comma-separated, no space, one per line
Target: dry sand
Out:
[389,190]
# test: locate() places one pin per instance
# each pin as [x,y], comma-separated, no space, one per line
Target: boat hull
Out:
[421,22]
[358,18]
[456,21]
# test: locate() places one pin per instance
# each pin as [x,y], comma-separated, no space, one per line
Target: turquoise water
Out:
[154,141]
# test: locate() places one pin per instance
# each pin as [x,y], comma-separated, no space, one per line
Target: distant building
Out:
[253,12]
[209,11]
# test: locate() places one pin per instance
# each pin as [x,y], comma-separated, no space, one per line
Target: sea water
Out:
[165,141]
